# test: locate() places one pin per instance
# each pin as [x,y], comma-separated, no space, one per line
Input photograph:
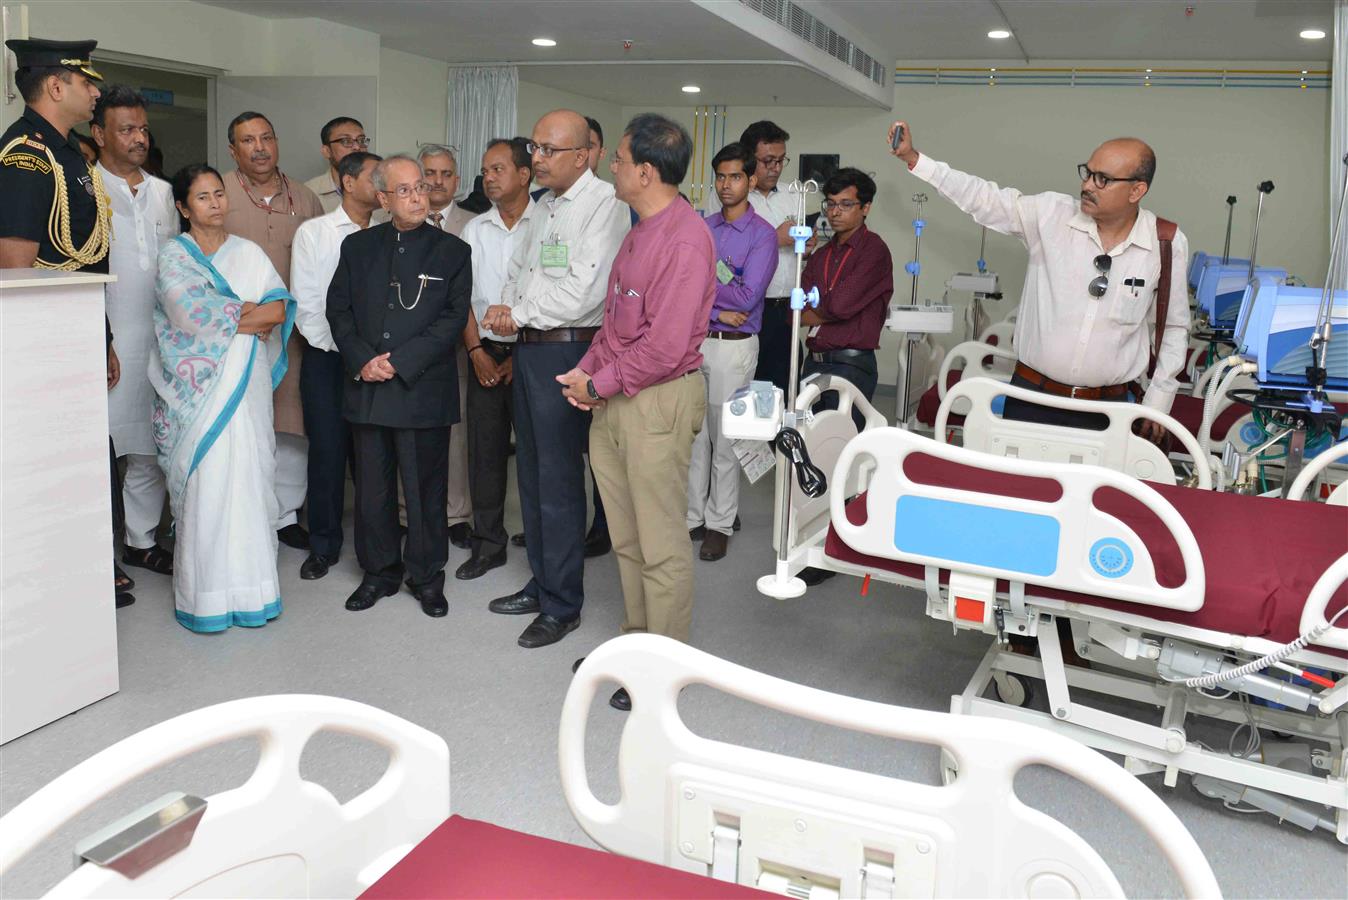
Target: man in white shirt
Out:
[493,236]
[340,137]
[442,174]
[313,259]
[554,298]
[143,220]
[1089,305]
[767,142]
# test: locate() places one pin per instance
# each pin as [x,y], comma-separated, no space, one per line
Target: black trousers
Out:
[489,414]
[774,344]
[551,439]
[321,383]
[1021,411]
[419,456]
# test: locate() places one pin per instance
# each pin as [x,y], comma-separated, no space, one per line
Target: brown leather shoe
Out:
[713,546]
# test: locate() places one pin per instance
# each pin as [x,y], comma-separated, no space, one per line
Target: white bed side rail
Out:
[975,359]
[746,815]
[1116,447]
[1315,613]
[1067,544]
[1311,471]
[275,835]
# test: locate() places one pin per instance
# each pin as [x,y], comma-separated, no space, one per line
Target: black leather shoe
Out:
[294,535]
[517,604]
[461,535]
[546,630]
[736,525]
[812,576]
[621,700]
[316,566]
[713,546]
[698,533]
[123,600]
[575,666]
[517,540]
[597,543]
[368,595]
[479,564]
[432,600]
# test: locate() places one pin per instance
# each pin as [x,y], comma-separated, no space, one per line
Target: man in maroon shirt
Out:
[641,377]
[855,277]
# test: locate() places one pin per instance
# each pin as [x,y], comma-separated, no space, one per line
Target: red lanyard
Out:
[285,183]
[838,272]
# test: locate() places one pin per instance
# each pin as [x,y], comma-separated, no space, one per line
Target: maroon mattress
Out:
[1261,556]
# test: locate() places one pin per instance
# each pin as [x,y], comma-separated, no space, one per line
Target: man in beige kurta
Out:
[267,208]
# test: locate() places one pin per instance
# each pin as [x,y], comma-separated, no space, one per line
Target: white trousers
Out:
[714,472]
[292,477]
[143,493]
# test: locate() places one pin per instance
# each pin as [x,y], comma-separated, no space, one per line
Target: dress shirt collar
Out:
[341,220]
[671,208]
[109,175]
[853,239]
[494,215]
[717,219]
[1140,234]
[574,192]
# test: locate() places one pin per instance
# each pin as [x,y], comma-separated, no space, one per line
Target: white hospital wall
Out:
[1209,143]
[413,103]
[537,99]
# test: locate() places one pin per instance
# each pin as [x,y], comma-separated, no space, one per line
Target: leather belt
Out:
[776,300]
[830,355]
[729,335]
[498,350]
[556,335]
[1057,388]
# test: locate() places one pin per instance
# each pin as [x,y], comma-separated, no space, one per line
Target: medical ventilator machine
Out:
[1219,285]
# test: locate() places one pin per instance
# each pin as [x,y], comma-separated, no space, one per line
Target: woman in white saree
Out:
[221,322]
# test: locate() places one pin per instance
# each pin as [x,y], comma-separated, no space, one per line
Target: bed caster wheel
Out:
[949,768]
[1013,690]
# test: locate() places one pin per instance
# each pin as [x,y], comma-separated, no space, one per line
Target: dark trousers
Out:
[417,455]
[321,383]
[859,370]
[774,344]
[551,438]
[118,504]
[489,413]
[1021,411]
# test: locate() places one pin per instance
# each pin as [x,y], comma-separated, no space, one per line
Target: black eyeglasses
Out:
[1100,283]
[844,205]
[1099,179]
[348,142]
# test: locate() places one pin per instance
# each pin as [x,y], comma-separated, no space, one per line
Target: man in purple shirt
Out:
[641,377]
[746,257]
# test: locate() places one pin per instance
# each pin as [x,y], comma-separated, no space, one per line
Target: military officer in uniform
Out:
[55,213]
[397,305]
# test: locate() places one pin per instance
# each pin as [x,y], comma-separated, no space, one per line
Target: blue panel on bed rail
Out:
[977,535]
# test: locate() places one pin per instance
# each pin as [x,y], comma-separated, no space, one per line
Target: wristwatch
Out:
[589,389]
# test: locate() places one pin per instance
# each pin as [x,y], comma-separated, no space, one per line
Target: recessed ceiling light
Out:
[1149,71]
[999,34]
[691,89]
[544,42]
[1312,34]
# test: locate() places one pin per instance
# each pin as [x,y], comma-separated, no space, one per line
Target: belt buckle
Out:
[1073,395]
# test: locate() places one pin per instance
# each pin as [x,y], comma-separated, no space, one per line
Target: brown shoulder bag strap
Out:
[1165,233]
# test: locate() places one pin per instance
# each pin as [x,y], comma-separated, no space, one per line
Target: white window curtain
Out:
[482,103]
[1338,134]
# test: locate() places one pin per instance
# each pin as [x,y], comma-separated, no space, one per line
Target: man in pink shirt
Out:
[641,377]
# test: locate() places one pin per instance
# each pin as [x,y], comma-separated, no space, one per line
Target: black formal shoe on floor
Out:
[575,666]
[461,535]
[736,525]
[597,543]
[122,583]
[698,533]
[812,576]
[621,700]
[517,540]
[432,600]
[156,559]
[713,546]
[294,535]
[368,595]
[123,600]
[546,630]
[316,566]
[517,604]
[480,564]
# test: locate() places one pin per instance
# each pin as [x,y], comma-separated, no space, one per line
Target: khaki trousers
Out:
[639,449]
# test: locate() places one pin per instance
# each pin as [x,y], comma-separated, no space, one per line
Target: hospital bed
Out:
[1162,585]
[696,807]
